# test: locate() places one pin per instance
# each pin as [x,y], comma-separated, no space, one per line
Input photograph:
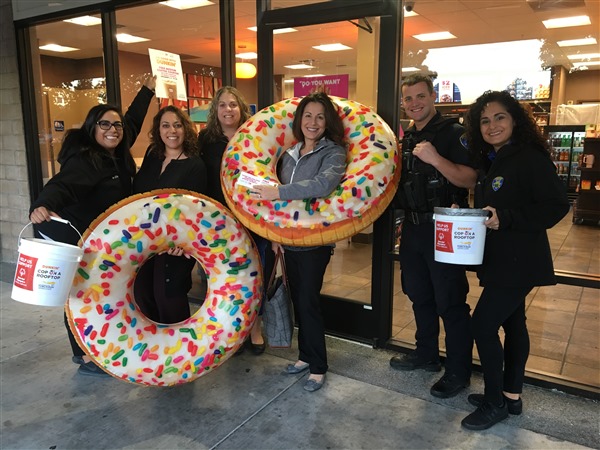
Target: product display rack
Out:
[587,206]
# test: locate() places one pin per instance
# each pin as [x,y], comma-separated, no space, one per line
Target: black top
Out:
[189,173]
[212,154]
[529,198]
[421,181]
[80,192]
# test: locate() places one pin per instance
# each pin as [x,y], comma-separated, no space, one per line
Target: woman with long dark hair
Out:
[95,173]
[172,161]
[525,197]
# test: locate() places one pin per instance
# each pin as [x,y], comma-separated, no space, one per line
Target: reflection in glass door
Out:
[351,71]
[69,80]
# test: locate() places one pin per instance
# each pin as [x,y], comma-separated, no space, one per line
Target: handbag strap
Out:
[279,258]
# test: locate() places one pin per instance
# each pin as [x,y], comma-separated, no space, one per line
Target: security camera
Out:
[408,6]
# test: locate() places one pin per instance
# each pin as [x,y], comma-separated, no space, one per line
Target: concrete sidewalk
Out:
[248,404]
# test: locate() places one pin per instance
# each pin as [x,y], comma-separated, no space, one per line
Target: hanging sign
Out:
[332,84]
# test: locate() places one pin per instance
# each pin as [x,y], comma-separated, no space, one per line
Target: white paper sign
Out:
[248,180]
[169,76]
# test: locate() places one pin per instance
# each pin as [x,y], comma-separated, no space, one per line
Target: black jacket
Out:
[80,192]
[529,198]
[212,154]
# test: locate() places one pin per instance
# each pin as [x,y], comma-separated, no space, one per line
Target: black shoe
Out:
[515,407]
[92,370]
[412,362]
[257,349]
[485,416]
[448,386]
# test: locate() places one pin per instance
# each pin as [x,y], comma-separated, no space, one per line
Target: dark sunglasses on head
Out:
[106,125]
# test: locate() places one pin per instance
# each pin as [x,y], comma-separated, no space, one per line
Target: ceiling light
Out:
[332,47]
[434,36]
[588,63]
[247,55]
[574,42]
[245,70]
[57,48]
[584,56]
[410,13]
[311,75]
[410,69]
[575,21]
[186,4]
[299,66]
[277,30]
[129,39]
[86,21]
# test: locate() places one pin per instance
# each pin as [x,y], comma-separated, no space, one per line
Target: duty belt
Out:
[418,218]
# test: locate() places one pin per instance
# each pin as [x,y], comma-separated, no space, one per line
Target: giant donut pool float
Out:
[101,309]
[372,174]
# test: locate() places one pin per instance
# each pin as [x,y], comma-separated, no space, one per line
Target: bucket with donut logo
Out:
[45,270]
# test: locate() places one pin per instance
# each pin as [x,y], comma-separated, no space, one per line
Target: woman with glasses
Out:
[172,161]
[96,172]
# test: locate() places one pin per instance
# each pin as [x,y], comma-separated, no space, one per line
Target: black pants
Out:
[305,271]
[154,296]
[503,370]
[436,290]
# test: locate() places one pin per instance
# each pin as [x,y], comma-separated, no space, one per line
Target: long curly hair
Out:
[526,134]
[190,141]
[334,129]
[83,140]
[213,126]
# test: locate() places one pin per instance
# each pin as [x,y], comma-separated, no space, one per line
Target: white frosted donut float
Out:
[101,309]
[370,182]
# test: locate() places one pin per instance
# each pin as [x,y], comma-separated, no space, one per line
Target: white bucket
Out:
[459,235]
[45,270]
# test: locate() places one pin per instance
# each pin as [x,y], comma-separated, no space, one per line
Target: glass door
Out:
[355,300]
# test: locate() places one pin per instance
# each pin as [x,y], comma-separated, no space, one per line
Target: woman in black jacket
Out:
[172,161]
[525,197]
[96,171]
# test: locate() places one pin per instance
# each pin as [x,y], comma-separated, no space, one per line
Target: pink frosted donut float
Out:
[101,309]
[370,182]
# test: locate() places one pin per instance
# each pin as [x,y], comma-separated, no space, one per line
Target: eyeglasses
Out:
[106,125]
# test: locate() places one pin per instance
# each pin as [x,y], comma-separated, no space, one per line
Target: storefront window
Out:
[562,320]
[69,80]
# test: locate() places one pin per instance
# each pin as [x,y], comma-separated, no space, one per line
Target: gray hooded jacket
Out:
[315,174]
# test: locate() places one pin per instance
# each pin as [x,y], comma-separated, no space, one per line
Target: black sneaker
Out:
[485,416]
[448,386]
[413,362]
[515,407]
[92,370]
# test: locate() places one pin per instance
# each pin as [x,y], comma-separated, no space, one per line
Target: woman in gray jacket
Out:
[312,168]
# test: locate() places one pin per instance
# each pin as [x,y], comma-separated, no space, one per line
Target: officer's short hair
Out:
[416,78]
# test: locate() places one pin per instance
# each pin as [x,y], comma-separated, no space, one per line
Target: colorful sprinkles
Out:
[367,188]
[101,308]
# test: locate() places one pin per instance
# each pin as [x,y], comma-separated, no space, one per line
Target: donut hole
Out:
[168,275]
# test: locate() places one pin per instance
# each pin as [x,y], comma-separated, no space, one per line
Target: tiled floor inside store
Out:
[563,321]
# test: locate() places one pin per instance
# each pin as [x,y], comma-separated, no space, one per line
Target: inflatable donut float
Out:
[370,182]
[101,309]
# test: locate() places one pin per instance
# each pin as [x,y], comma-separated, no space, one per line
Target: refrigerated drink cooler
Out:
[566,148]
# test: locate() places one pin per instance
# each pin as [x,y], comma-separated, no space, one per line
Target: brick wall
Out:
[14,187]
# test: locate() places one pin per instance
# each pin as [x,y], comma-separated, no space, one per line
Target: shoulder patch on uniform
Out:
[463,140]
[497,183]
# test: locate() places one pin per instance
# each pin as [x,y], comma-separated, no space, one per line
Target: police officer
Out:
[435,172]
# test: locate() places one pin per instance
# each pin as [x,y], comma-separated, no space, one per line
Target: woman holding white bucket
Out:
[96,172]
[521,189]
